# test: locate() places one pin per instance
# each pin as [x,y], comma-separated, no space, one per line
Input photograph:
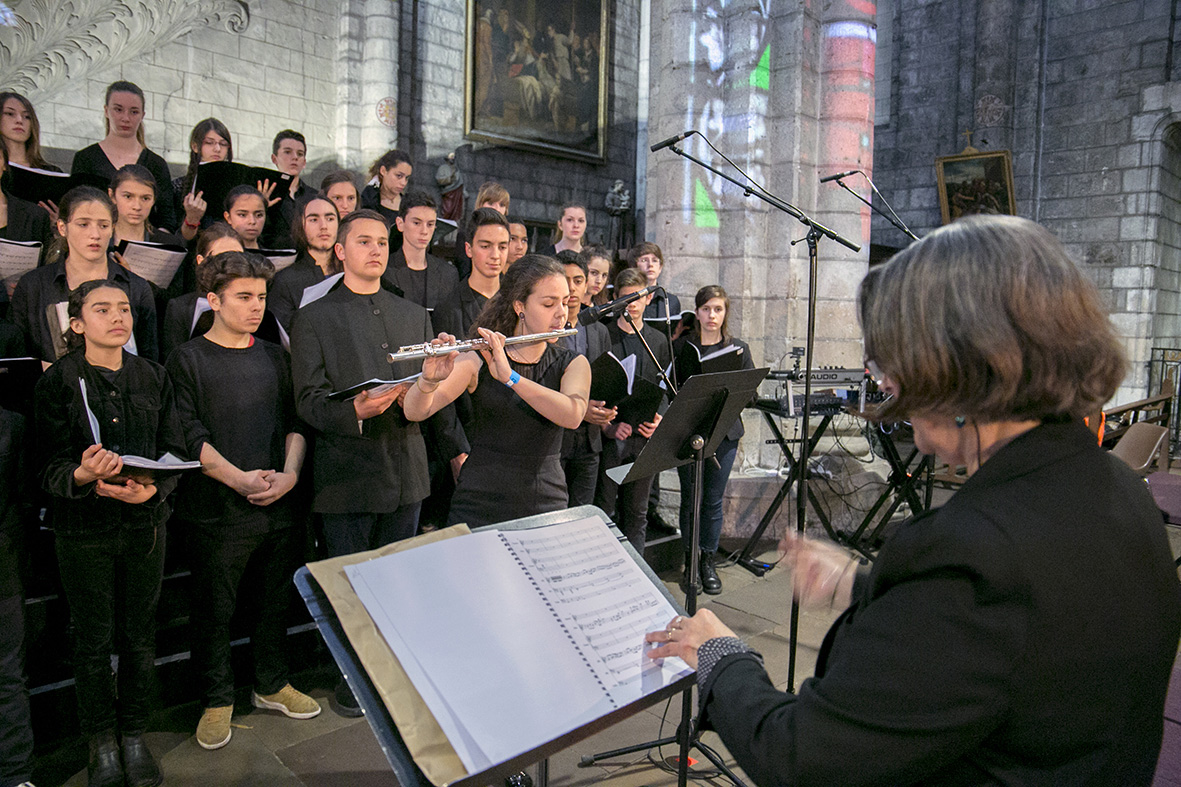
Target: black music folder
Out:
[216,178]
[36,185]
[615,382]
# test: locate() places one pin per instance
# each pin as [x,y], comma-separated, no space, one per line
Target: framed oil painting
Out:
[975,182]
[536,75]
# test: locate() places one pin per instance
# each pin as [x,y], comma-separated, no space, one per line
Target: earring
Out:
[520,315]
[960,421]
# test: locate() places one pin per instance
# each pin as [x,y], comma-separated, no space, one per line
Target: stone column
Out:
[788,96]
[367,65]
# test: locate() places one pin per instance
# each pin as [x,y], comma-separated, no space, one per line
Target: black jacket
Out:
[135,416]
[1024,634]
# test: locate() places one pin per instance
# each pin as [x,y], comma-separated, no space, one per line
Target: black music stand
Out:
[381,722]
[691,430]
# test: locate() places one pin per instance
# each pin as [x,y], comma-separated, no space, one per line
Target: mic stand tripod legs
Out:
[687,736]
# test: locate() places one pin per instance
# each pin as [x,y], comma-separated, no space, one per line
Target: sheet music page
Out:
[317,291]
[493,648]
[91,419]
[604,599]
[153,262]
[17,259]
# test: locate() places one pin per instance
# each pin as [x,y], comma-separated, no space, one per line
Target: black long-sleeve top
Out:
[276,233]
[179,325]
[93,161]
[239,401]
[26,222]
[1024,633]
[736,430]
[135,414]
[43,287]
[428,288]
[373,466]
[15,500]
[457,313]
[287,288]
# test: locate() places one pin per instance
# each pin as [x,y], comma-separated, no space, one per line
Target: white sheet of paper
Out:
[319,289]
[91,418]
[153,261]
[17,259]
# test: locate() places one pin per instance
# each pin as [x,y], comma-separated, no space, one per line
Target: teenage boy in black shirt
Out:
[233,397]
[488,249]
[289,154]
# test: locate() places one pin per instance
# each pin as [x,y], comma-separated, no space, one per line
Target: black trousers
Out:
[581,466]
[248,570]
[346,534]
[112,585]
[627,503]
[16,730]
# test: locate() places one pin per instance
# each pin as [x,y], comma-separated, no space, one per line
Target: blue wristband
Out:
[513,379]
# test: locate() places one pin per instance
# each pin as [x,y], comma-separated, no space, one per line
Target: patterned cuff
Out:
[713,651]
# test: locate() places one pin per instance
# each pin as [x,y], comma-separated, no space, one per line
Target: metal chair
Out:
[1141,445]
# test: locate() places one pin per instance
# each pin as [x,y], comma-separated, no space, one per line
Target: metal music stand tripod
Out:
[691,430]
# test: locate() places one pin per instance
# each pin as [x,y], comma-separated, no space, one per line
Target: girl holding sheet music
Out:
[20,131]
[110,528]
[209,141]
[85,224]
[133,189]
[523,398]
[20,221]
[710,336]
[124,144]
[246,212]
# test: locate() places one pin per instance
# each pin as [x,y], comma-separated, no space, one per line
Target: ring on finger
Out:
[670,635]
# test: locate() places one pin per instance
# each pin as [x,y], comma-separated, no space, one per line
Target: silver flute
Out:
[415,352]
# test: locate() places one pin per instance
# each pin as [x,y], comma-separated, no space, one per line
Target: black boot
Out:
[139,764]
[346,703]
[104,768]
[710,582]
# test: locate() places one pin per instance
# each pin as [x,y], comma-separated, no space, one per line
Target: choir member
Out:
[16,723]
[389,176]
[209,141]
[369,466]
[518,242]
[20,220]
[523,398]
[583,446]
[665,307]
[188,315]
[490,195]
[488,230]
[711,333]
[20,136]
[598,267]
[289,154]
[422,277]
[570,229]
[133,190]
[340,187]
[246,212]
[85,223]
[124,144]
[630,500]
[235,407]
[109,528]
[314,233]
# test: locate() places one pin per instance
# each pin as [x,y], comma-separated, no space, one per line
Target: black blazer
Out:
[1024,633]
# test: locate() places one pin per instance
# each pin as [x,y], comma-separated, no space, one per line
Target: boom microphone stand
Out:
[816,231]
[891,217]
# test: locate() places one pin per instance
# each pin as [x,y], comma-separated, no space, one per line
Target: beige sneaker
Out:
[213,731]
[289,702]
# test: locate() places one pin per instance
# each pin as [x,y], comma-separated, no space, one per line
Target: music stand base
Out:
[756,567]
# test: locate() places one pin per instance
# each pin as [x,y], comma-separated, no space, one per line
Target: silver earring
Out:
[960,421]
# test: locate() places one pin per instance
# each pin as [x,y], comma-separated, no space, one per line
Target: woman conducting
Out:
[1024,632]
[523,396]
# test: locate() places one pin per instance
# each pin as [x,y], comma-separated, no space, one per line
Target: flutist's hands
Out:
[495,356]
[437,368]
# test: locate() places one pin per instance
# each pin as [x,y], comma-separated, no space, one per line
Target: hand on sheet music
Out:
[648,427]
[619,431]
[132,492]
[495,356]
[598,413]
[118,258]
[822,572]
[98,464]
[278,484]
[683,636]
[195,207]
[438,368]
[370,406]
[267,188]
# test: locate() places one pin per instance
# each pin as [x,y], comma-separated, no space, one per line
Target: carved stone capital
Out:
[54,41]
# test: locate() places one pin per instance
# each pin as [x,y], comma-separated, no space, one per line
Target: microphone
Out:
[595,313]
[672,140]
[840,175]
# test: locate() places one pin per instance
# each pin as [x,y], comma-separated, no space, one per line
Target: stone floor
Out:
[269,749]
[332,751]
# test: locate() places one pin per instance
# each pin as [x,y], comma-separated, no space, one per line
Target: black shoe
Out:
[138,763]
[104,768]
[346,703]
[710,582]
[658,526]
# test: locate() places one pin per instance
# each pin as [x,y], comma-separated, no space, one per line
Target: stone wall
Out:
[1082,94]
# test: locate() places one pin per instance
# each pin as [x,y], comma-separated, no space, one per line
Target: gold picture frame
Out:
[530,85]
[975,182]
